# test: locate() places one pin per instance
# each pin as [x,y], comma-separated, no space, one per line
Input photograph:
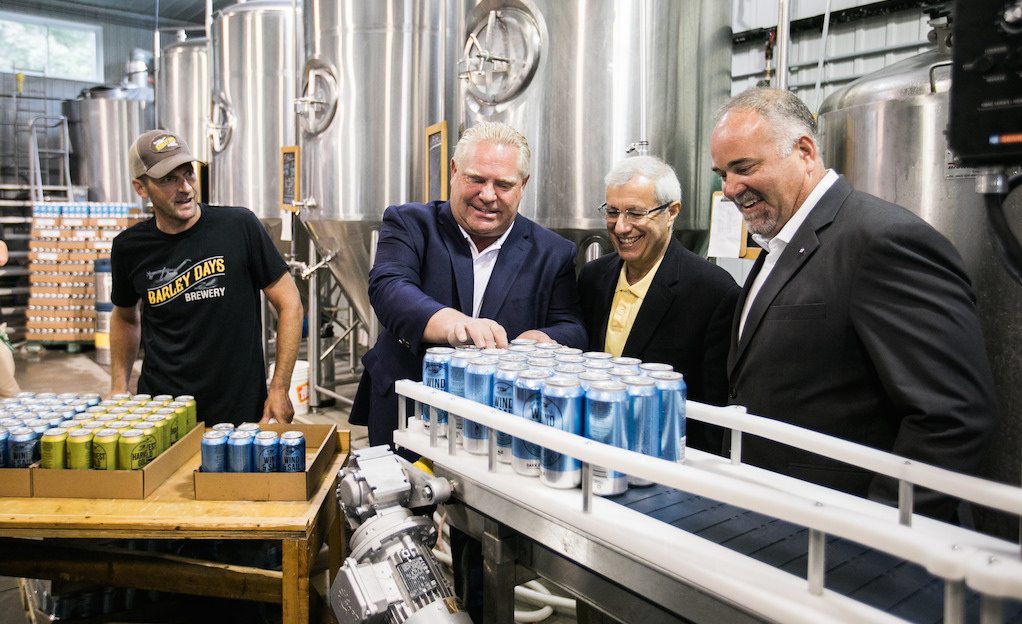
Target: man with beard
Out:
[859,321]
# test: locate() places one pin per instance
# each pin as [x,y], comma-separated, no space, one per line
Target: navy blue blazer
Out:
[867,330]
[424,264]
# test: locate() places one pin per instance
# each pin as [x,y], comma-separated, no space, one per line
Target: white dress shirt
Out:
[482,266]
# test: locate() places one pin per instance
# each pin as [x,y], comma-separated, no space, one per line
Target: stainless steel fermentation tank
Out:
[252,114]
[103,122]
[183,93]
[885,132]
[572,76]
[584,81]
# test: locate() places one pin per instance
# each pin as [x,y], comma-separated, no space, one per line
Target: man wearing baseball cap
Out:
[198,271]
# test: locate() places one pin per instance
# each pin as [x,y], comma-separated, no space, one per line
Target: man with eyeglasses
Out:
[652,298]
[858,322]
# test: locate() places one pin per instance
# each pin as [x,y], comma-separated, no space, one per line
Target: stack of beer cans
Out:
[84,432]
[246,448]
[618,401]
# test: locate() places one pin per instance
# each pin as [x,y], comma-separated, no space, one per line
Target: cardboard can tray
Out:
[320,446]
[132,484]
[15,481]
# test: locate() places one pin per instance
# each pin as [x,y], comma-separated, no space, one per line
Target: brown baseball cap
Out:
[158,152]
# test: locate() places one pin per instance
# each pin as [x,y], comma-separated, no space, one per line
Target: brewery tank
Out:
[103,122]
[252,112]
[370,88]
[585,80]
[885,133]
[182,93]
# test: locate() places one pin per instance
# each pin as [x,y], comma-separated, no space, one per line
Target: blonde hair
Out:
[493,132]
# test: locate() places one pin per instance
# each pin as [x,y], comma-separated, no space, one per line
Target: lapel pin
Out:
[802,250]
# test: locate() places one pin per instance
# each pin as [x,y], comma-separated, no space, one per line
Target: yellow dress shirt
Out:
[625,307]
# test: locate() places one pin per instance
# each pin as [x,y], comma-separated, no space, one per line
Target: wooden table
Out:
[171,512]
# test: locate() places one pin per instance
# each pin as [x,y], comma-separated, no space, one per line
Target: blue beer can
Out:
[266,452]
[593,356]
[619,373]
[673,395]
[213,451]
[627,362]
[549,347]
[647,368]
[569,358]
[239,452]
[434,375]
[569,370]
[4,455]
[643,420]
[513,357]
[525,456]
[606,411]
[566,350]
[530,342]
[493,352]
[478,388]
[521,349]
[587,377]
[504,400]
[292,451]
[456,382]
[23,447]
[250,427]
[542,361]
[562,405]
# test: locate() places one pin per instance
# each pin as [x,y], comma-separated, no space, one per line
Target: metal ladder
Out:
[46,123]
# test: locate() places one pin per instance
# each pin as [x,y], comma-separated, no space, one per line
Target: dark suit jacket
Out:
[866,330]
[424,264]
[684,321]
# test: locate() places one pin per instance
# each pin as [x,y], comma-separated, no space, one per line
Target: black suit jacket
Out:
[866,330]
[684,321]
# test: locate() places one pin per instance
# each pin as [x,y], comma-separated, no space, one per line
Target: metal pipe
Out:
[783,36]
[817,560]
[312,324]
[643,65]
[333,395]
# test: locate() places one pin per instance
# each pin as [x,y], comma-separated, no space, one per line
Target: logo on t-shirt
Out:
[197,282]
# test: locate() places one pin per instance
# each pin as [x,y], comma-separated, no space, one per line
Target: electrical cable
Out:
[1005,244]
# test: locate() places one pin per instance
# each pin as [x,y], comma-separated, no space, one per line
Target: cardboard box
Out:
[15,482]
[134,484]
[320,445]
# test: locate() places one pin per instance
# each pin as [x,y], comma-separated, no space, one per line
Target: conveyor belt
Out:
[870,576]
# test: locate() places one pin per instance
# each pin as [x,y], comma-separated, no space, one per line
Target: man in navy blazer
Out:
[858,322]
[684,306]
[468,271]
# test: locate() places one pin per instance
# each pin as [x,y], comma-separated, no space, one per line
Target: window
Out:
[51,48]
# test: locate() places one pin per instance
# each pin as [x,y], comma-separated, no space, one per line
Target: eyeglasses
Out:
[634,216]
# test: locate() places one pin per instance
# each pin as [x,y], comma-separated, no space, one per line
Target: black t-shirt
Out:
[201,325]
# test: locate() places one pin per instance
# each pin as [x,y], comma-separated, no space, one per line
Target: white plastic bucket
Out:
[299,390]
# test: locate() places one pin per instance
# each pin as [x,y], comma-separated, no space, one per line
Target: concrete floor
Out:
[56,370]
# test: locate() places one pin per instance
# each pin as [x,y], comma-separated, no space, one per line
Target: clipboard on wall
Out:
[435,187]
[729,238]
[290,178]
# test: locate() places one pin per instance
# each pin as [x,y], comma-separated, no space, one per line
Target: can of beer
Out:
[162,430]
[39,426]
[569,370]
[627,362]
[93,398]
[504,400]
[92,425]
[495,352]
[542,361]
[213,450]
[189,402]
[525,456]
[141,412]
[548,346]
[130,404]
[673,394]
[153,440]
[173,427]
[513,357]
[561,409]
[619,373]
[155,405]
[104,449]
[120,397]
[181,409]
[79,449]
[606,408]
[646,368]
[46,396]
[644,421]
[53,449]
[106,405]
[5,459]
[239,451]
[67,397]
[226,427]
[587,377]
[569,358]
[132,450]
[478,388]
[456,382]
[434,375]
[118,425]
[23,446]
[523,341]
[112,414]
[566,350]
[292,451]
[522,349]
[266,452]
[141,398]
[250,427]
[85,417]
[163,398]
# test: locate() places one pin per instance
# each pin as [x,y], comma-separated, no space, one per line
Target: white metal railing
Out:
[987,571]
